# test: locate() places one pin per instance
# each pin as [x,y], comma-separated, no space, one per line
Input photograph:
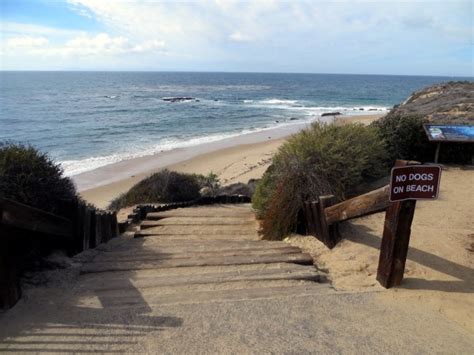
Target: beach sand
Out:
[235,160]
[439,273]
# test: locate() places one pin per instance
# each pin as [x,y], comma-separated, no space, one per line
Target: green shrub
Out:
[324,159]
[405,138]
[164,186]
[31,177]
[209,183]
[239,188]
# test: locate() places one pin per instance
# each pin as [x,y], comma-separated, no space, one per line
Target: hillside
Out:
[451,102]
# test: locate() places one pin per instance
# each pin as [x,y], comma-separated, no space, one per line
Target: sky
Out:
[360,37]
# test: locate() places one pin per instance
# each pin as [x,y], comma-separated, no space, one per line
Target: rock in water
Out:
[451,102]
[330,114]
[177,99]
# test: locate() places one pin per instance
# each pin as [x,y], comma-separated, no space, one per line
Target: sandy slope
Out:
[439,275]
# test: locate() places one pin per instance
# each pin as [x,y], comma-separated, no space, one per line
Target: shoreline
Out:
[236,159]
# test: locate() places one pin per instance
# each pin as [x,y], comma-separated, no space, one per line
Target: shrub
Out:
[164,186]
[209,184]
[239,188]
[31,177]
[405,138]
[324,159]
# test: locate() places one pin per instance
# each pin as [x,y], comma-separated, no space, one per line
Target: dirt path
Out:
[199,280]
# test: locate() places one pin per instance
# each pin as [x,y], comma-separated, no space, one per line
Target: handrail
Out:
[368,203]
[21,216]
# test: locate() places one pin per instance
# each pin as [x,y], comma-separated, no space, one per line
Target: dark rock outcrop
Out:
[178,99]
[451,102]
[330,114]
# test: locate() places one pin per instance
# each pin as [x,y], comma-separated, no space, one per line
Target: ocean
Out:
[85,120]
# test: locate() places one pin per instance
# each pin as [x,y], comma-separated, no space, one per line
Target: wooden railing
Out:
[323,215]
[84,227]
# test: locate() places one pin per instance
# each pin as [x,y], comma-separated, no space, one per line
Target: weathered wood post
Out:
[86,228]
[316,221]
[395,240]
[10,290]
[79,208]
[329,232]
[92,229]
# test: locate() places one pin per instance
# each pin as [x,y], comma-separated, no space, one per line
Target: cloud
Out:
[26,42]
[240,37]
[303,35]
[80,45]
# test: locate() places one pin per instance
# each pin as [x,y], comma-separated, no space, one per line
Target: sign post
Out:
[409,182]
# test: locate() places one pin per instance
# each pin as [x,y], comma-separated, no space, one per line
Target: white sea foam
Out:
[75,167]
[278,101]
[303,113]
[296,105]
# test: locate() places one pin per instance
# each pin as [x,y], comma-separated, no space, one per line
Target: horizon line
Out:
[222,72]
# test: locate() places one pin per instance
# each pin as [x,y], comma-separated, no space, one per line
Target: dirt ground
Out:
[439,274]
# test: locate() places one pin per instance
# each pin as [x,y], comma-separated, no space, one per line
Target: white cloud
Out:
[205,35]
[81,45]
[26,42]
[240,37]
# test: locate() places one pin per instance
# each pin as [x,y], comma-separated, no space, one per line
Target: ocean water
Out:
[86,120]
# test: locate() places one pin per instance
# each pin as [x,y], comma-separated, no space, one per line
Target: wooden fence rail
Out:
[18,215]
[84,227]
[371,202]
[322,218]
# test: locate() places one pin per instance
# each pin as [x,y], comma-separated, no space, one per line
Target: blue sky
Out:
[376,37]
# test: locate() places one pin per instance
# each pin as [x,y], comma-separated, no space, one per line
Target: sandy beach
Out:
[233,160]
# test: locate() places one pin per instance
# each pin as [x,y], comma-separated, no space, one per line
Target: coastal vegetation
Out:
[167,186]
[340,160]
[323,159]
[31,177]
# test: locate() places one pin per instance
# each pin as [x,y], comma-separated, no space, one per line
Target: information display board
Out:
[449,133]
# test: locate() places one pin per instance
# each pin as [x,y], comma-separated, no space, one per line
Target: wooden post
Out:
[98,228]
[438,147]
[395,240]
[79,226]
[315,219]
[10,291]
[86,228]
[329,233]
[92,229]
[309,218]
[316,222]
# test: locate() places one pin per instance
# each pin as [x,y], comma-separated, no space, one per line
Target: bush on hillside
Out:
[164,186]
[405,138]
[324,159]
[209,184]
[31,177]
[239,188]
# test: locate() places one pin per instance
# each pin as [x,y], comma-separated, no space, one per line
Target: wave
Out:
[278,101]
[75,167]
